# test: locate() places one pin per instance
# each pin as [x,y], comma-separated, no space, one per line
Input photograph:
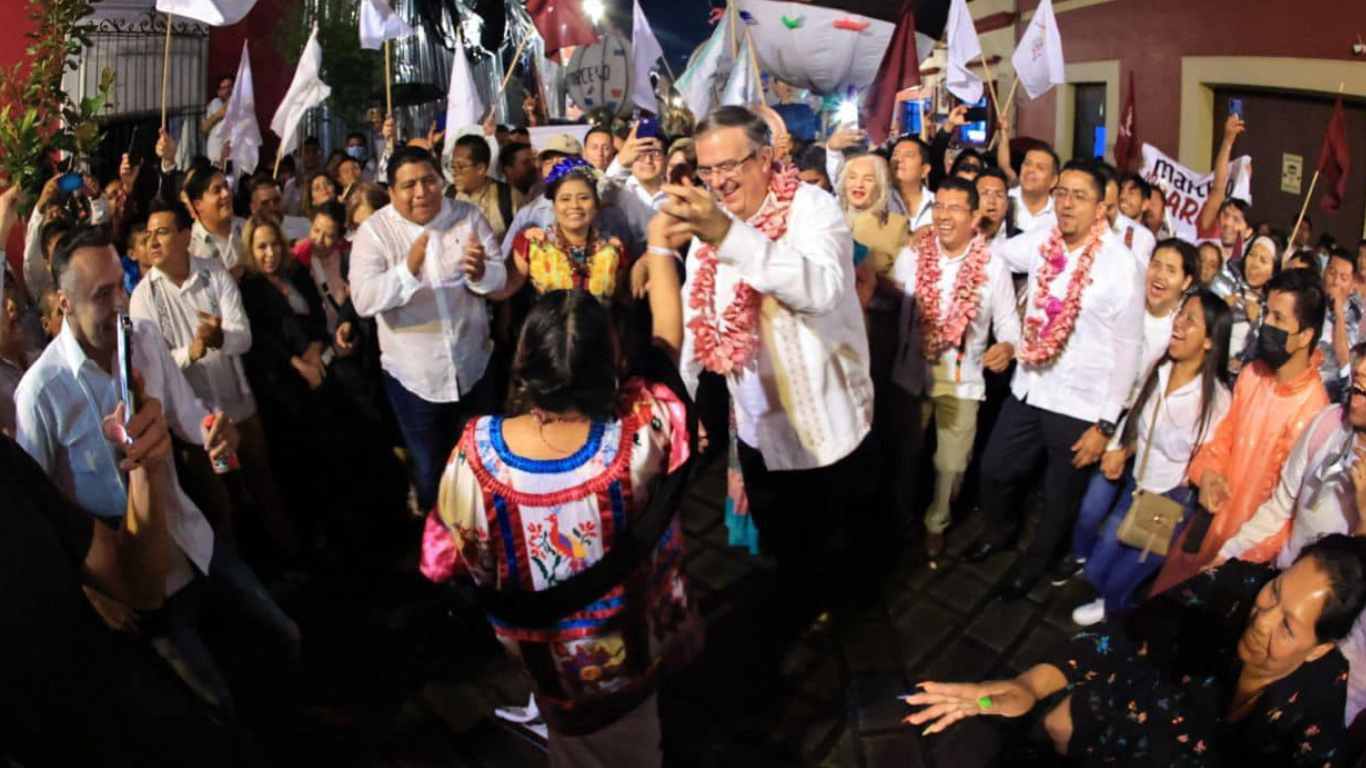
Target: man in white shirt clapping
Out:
[1078,359]
[421,266]
[944,337]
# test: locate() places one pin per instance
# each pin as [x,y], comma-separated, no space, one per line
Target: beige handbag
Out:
[1152,518]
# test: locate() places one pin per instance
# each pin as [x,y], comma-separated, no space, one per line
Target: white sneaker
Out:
[1090,613]
[521,715]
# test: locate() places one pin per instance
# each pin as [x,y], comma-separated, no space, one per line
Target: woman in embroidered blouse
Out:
[1189,395]
[533,499]
[1238,666]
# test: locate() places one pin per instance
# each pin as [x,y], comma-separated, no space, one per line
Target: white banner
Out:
[1186,191]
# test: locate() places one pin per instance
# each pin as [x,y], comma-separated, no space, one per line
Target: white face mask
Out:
[356,152]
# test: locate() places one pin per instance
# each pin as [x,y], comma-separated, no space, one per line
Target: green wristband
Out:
[984,702]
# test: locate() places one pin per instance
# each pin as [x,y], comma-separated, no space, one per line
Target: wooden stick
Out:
[754,64]
[734,42]
[389,94]
[991,84]
[166,70]
[507,76]
[1303,210]
[1010,98]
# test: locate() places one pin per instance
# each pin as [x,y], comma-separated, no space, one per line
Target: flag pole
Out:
[388,92]
[507,76]
[734,41]
[166,70]
[754,63]
[991,84]
[1010,99]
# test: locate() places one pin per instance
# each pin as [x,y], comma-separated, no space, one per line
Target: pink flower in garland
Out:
[946,329]
[728,343]
[1044,337]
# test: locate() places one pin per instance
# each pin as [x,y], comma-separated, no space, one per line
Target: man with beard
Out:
[1276,397]
[1078,359]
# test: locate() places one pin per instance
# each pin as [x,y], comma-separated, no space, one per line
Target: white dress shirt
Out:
[213,145]
[623,191]
[434,330]
[949,375]
[218,378]
[1029,222]
[807,401]
[227,252]
[61,405]
[1177,432]
[922,216]
[1136,237]
[1091,377]
[1313,497]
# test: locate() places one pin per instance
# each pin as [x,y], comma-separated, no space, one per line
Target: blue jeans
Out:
[1112,567]
[431,430]
[230,587]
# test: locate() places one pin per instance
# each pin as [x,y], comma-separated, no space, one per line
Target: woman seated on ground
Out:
[1179,405]
[1238,666]
[570,471]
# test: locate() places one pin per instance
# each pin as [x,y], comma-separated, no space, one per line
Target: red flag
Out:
[1334,160]
[561,24]
[900,69]
[1126,146]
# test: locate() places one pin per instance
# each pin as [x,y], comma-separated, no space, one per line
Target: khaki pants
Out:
[955,424]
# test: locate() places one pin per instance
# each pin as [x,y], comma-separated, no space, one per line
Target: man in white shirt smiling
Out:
[421,266]
[1038,174]
[949,377]
[1079,357]
[196,306]
[771,306]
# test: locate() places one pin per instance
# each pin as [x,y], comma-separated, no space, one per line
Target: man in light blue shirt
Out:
[60,405]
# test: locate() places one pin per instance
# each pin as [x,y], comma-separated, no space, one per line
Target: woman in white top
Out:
[1170,273]
[1187,396]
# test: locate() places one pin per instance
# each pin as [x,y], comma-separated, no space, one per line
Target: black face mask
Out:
[1271,346]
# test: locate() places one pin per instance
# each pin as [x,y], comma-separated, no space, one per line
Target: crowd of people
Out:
[533,344]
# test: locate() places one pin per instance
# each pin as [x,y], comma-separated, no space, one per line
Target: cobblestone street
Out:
[403,673]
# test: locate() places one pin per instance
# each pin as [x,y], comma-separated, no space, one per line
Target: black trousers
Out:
[821,525]
[1024,436]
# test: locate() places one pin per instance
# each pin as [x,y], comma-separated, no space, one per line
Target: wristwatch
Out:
[1106,428]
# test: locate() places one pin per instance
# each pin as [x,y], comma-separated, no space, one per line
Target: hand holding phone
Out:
[1235,107]
[647,128]
[127,393]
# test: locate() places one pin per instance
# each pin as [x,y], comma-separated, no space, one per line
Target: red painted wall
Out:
[12,44]
[1150,37]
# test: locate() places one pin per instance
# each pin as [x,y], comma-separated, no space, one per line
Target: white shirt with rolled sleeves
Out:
[1027,222]
[1177,432]
[622,190]
[226,251]
[61,404]
[1092,376]
[218,378]
[807,402]
[434,329]
[947,376]
[1314,497]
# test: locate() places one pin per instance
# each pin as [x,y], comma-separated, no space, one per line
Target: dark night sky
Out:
[680,25]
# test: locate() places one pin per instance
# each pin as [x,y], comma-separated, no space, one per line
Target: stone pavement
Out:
[403,673]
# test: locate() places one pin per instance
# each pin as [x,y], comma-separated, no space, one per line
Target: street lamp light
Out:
[594,10]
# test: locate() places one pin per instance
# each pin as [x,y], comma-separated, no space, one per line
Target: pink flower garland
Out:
[1044,338]
[729,343]
[946,330]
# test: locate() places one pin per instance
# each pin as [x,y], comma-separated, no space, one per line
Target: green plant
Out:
[39,119]
[354,73]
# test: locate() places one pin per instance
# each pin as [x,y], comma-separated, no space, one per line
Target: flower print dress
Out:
[1151,686]
[524,524]
[553,265]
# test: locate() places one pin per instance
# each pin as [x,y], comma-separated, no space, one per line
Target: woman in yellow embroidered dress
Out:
[571,253]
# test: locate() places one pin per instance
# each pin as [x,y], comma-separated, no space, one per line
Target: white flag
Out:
[239,121]
[743,89]
[646,51]
[215,13]
[463,105]
[963,50]
[306,92]
[1038,58]
[697,84]
[378,23]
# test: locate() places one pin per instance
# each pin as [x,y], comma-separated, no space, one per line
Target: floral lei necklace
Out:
[726,343]
[944,330]
[1044,337]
